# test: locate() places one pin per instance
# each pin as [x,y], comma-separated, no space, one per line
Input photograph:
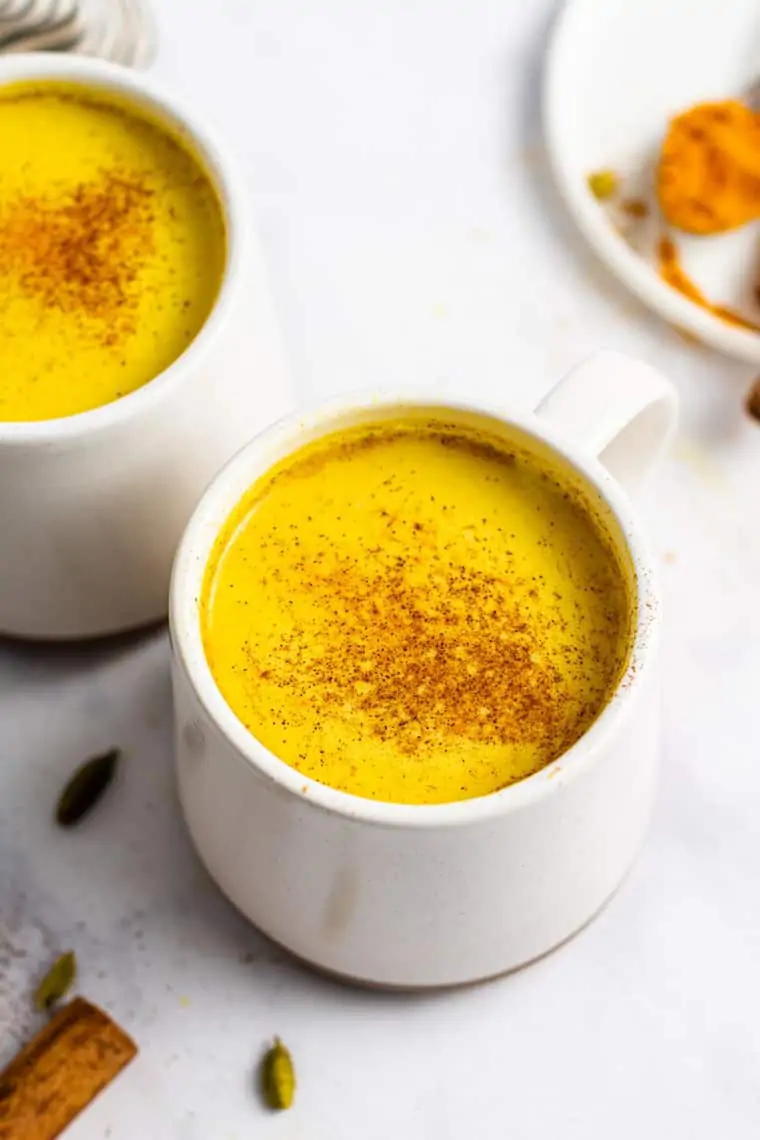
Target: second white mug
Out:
[92,506]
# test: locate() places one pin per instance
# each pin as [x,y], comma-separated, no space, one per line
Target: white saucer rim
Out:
[628,266]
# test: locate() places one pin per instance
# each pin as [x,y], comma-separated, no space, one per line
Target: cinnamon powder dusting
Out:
[82,251]
[453,658]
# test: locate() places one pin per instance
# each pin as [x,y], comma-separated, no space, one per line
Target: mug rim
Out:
[226,490]
[217,163]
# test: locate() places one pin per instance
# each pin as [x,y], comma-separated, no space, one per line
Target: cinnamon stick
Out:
[60,1071]
[752,402]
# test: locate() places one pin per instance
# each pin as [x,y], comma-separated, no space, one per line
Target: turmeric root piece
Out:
[60,1071]
[708,176]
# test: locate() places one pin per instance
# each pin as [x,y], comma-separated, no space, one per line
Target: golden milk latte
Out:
[415,613]
[112,250]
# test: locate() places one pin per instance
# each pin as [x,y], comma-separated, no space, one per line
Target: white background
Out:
[394,158]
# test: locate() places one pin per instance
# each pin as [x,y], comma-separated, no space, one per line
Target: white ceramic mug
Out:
[92,506]
[408,895]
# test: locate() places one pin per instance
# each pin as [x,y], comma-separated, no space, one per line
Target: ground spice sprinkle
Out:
[81,251]
[454,658]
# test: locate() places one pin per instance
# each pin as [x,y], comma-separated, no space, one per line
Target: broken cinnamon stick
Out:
[752,402]
[60,1071]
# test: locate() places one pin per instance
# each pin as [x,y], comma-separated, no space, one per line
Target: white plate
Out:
[616,71]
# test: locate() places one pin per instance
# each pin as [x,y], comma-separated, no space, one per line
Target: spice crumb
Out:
[635,208]
[603,184]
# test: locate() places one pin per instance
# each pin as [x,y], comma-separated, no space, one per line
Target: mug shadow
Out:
[69,652]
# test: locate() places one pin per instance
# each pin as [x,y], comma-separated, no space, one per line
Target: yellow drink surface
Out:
[112,249]
[415,614]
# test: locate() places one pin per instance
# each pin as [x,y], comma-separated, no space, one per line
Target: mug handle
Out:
[621,410]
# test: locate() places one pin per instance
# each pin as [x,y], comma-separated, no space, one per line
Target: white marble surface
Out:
[395,162]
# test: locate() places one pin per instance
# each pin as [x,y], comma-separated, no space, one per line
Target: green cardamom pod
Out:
[278,1078]
[85,788]
[57,982]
